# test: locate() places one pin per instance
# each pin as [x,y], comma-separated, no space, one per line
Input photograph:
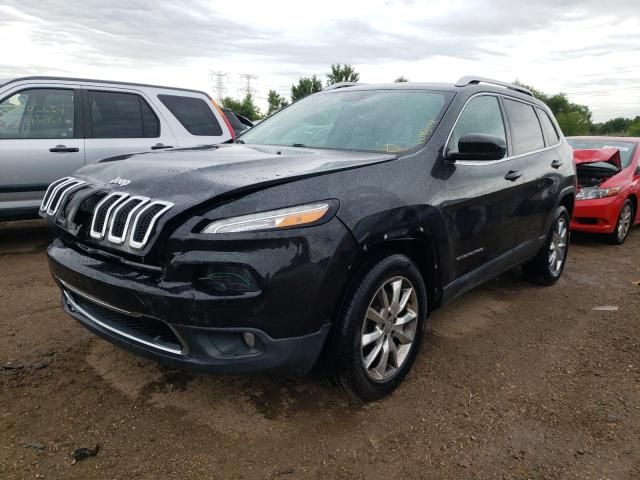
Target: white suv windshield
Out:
[369,120]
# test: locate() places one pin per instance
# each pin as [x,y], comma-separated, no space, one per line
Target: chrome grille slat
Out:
[121,218]
[57,199]
[51,190]
[141,230]
[106,205]
[118,217]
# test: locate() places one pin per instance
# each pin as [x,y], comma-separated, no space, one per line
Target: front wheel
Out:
[379,331]
[547,266]
[623,225]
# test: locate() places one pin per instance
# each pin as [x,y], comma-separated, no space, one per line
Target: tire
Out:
[623,225]
[544,269]
[364,318]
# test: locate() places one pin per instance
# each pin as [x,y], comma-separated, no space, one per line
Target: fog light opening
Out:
[249,339]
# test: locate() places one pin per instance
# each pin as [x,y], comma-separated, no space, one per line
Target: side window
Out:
[525,127]
[550,131]
[45,113]
[194,114]
[481,115]
[120,115]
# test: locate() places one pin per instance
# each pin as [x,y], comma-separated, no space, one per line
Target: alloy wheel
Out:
[389,329]
[558,246]
[624,222]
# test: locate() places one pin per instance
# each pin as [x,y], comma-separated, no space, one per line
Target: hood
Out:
[190,176]
[599,155]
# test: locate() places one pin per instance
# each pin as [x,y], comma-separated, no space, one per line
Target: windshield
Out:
[371,120]
[626,148]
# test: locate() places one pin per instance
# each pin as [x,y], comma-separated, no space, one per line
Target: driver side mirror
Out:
[479,146]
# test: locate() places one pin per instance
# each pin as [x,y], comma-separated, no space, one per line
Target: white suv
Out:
[50,127]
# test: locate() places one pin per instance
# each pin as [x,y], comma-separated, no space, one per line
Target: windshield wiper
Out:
[299,145]
[239,140]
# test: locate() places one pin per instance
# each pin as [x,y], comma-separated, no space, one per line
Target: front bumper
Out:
[169,318]
[597,215]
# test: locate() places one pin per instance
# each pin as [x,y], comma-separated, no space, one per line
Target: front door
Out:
[484,195]
[40,141]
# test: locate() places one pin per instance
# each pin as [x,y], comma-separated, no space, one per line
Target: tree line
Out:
[573,118]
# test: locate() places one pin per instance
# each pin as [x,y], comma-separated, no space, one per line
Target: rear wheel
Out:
[547,266]
[379,331]
[623,225]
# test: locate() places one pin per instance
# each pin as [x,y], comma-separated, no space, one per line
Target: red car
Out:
[608,185]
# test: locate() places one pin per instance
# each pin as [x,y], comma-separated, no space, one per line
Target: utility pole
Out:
[217,81]
[247,78]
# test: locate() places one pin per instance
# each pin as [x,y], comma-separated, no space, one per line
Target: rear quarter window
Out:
[549,129]
[194,114]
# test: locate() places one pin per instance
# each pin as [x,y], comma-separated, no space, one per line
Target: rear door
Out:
[40,141]
[120,121]
[482,212]
[539,165]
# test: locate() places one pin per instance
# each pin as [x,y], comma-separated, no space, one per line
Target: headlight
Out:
[590,193]
[274,219]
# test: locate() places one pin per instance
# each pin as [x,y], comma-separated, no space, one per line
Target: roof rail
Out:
[473,80]
[341,85]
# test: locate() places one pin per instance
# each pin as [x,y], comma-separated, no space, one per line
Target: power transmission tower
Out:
[247,78]
[217,81]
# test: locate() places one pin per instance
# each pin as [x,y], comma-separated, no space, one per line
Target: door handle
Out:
[64,148]
[556,164]
[160,146]
[513,175]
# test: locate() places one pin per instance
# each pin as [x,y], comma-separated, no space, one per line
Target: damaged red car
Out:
[608,186]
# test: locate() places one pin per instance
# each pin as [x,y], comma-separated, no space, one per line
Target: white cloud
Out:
[585,48]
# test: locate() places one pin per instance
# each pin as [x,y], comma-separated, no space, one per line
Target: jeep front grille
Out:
[118,217]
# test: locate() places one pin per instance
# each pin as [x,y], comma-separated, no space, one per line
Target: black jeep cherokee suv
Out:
[330,229]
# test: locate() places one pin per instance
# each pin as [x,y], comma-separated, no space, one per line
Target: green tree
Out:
[345,73]
[245,107]
[306,86]
[615,126]
[634,128]
[276,102]
[401,79]
[573,118]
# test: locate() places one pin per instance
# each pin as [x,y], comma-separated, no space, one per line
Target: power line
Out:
[217,81]
[247,89]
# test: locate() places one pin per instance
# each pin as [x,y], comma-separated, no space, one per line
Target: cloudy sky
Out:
[589,49]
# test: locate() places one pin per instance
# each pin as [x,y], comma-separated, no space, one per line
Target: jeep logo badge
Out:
[123,182]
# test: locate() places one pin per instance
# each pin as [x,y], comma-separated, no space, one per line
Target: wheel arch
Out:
[421,251]
[568,200]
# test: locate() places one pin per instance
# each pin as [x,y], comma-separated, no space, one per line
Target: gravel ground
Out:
[515,381]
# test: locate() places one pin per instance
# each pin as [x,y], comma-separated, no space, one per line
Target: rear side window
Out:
[45,113]
[481,115]
[525,127]
[120,115]
[194,114]
[549,129]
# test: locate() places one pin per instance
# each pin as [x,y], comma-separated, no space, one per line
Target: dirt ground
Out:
[515,382]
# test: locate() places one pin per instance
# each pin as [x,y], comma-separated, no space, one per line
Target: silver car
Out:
[50,127]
